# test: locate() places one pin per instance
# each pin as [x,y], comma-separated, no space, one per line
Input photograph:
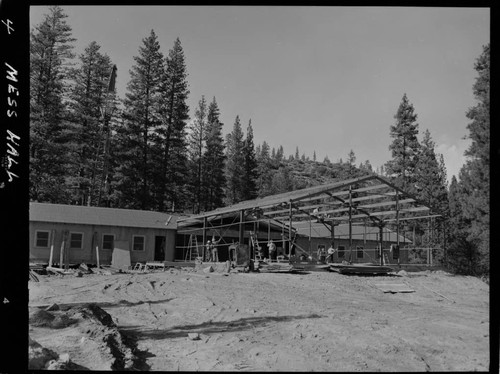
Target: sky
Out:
[324,79]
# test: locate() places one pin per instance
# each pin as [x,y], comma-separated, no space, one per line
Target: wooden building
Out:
[74,232]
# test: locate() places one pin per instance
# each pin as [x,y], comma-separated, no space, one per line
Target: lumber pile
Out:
[278,267]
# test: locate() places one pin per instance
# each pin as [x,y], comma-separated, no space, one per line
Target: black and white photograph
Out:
[253,188]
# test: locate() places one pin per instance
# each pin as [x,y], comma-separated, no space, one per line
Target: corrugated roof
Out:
[86,215]
[318,230]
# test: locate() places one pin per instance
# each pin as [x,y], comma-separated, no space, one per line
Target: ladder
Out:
[255,244]
[192,252]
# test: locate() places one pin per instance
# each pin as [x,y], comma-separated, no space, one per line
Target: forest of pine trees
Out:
[143,151]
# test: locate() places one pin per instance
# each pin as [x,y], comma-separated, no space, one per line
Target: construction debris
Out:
[194,336]
[368,269]
[208,269]
[278,267]
[33,276]
[52,307]
[393,287]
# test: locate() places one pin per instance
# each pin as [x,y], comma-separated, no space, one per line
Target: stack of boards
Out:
[278,268]
[360,269]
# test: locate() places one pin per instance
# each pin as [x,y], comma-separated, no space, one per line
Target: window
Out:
[359,252]
[42,239]
[341,251]
[108,241]
[138,242]
[76,240]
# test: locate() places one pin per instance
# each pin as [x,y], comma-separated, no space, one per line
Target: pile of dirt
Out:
[39,356]
[92,323]
[52,319]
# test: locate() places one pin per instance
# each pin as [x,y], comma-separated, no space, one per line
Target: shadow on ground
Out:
[210,327]
[104,304]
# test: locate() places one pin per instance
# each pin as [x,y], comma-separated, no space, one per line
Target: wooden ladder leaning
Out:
[255,244]
[192,252]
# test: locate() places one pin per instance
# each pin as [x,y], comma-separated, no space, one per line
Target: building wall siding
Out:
[88,253]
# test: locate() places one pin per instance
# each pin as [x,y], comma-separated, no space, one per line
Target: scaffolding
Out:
[371,202]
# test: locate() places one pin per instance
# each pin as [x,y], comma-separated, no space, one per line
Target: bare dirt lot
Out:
[189,320]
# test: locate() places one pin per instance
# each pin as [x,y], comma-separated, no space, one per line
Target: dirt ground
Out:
[190,320]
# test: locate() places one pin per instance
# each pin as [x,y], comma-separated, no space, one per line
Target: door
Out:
[160,248]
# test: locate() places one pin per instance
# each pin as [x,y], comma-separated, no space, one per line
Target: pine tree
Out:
[137,143]
[404,147]
[475,174]
[431,189]
[214,161]
[264,171]
[50,53]
[174,114]
[197,144]
[430,177]
[351,171]
[366,167]
[351,158]
[280,153]
[297,156]
[235,164]
[282,180]
[249,187]
[90,101]
[462,256]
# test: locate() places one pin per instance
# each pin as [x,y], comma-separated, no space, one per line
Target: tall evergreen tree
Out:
[197,144]
[404,147]
[137,144]
[282,180]
[431,189]
[264,171]
[235,164]
[50,53]
[88,137]
[462,255]
[352,171]
[475,174]
[214,161]
[174,114]
[280,154]
[250,177]
[430,176]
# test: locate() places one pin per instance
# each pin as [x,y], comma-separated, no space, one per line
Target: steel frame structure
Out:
[371,199]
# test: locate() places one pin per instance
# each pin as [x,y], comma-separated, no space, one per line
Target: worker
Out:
[272,250]
[215,255]
[330,252]
[208,256]
[321,254]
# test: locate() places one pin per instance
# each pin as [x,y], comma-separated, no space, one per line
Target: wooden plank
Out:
[61,253]
[121,256]
[53,234]
[393,287]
